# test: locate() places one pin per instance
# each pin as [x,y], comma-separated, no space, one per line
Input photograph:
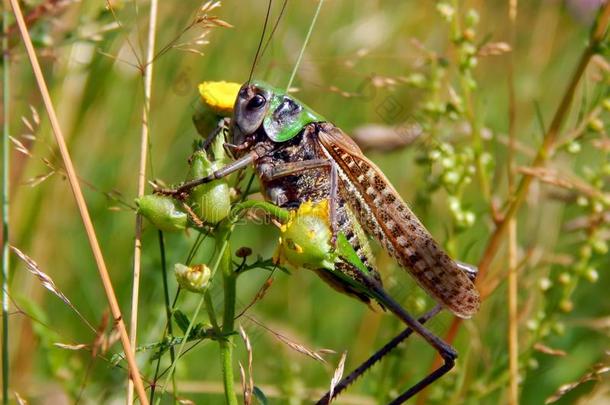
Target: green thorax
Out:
[286,115]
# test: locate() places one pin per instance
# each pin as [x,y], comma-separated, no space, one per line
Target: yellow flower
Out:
[305,238]
[193,278]
[219,96]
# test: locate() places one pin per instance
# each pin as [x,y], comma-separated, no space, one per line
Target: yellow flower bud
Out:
[212,201]
[162,212]
[193,278]
[305,238]
[219,96]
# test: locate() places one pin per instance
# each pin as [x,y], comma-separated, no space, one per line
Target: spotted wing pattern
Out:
[384,214]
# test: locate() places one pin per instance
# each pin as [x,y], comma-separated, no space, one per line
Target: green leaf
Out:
[182,320]
[260,396]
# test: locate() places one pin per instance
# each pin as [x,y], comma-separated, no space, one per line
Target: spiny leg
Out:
[224,171]
[471,271]
[288,169]
[447,352]
[377,356]
[221,125]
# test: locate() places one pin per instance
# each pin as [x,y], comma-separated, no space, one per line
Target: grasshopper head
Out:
[251,107]
[263,109]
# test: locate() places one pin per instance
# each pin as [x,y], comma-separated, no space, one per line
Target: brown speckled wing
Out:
[384,214]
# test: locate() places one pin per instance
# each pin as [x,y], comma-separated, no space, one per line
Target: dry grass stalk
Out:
[260,294]
[513,264]
[548,350]
[48,283]
[594,375]
[554,177]
[67,346]
[244,386]
[204,23]
[248,386]
[338,374]
[144,136]
[80,201]
[494,49]
[19,399]
[297,347]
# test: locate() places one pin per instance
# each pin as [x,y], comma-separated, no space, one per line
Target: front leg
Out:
[183,190]
[222,126]
[270,172]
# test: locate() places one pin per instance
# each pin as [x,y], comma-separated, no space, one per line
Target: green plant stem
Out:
[5,203]
[209,306]
[223,262]
[172,368]
[144,140]
[226,343]
[281,214]
[302,52]
[168,305]
[471,115]
[168,313]
[224,245]
[545,151]
[477,141]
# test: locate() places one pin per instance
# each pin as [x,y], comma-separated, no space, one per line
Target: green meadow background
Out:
[367,63]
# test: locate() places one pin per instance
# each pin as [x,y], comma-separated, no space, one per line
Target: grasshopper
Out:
[299,156]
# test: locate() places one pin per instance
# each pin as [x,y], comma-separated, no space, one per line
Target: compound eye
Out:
[256,102]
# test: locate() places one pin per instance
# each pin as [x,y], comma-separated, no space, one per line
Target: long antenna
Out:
[298,62]
[277,22]
[260,43]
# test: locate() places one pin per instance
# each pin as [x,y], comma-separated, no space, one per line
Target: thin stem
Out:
[168,315]
[180,350]
[281,214]
[302,52]
[120,25]
[226,343]
[80,202]
[544,153]
[472,117]
[513,321]
[5,203]
[137,250]
[546,149]
[513,280]
[168,305]
[209,306]
[171,307]
[222,238]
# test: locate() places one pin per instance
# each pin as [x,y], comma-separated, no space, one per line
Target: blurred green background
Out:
[88,63]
